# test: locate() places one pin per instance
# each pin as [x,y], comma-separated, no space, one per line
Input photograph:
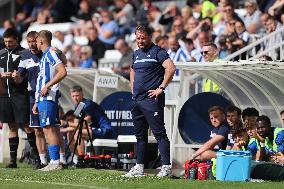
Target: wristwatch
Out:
[161,87]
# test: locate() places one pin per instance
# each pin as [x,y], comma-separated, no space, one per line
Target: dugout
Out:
[256,84]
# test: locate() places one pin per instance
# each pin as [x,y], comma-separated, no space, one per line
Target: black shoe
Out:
[81,163]
[12,165]
[64,166]
[39,165]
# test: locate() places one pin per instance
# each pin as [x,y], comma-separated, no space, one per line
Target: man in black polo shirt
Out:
[14,97]
[151,71]
[219,135]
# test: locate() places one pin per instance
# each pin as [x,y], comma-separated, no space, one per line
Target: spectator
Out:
[86,58]
[209,10]
[272,25]
[64,43]
[125,17]
[251,19]
[108,30]
[123,67]
[223,48]
[85,12]
[190,50]
[241,31]
[141,15]
[176,53]
[234,43]
[193,27]
[219,135]
[43,17]
[230,27]
[186,13]
[178,28]
[98,47]
[153,20]
[7,24]
[168,15]
[75,56]
[202,39]
[162,41]
[263,19]
[229,13]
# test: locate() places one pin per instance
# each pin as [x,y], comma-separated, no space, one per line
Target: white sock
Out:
[43,159]
[55,162]
[140,166]
[75,159]
[62,158]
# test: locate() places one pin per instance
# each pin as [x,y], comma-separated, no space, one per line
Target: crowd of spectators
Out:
[97,25]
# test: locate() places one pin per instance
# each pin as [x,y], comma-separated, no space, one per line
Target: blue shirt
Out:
[112,25]
[279,141]
[29,64]
[48,62]
[86,63]
[222,130]
[149,72]
[252,146]
[100,123]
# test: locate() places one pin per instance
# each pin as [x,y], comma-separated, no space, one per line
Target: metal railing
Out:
[264,44]
[276,52]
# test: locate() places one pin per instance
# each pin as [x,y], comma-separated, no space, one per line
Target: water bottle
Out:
[192,173]
[88,148]
[209,171]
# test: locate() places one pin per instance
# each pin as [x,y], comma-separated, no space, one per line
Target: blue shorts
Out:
[34,118]
[47,111]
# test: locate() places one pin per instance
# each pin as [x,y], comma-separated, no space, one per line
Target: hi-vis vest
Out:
[210,86]
[273,146]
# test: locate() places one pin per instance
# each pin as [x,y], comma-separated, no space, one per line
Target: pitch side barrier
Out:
[258,84]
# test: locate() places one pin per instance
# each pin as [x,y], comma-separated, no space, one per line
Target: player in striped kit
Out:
[51,72]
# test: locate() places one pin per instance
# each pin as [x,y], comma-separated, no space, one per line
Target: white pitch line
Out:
[55,183]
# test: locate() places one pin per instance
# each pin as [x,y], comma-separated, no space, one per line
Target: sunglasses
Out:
[204,52]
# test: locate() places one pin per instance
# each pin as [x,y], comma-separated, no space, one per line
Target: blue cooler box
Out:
[233,165]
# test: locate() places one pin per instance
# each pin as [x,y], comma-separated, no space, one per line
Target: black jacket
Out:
[9,60]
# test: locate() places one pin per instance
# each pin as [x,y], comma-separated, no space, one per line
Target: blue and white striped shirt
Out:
[179,55]
[48,62]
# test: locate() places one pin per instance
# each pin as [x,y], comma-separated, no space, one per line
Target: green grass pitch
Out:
[25,177]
